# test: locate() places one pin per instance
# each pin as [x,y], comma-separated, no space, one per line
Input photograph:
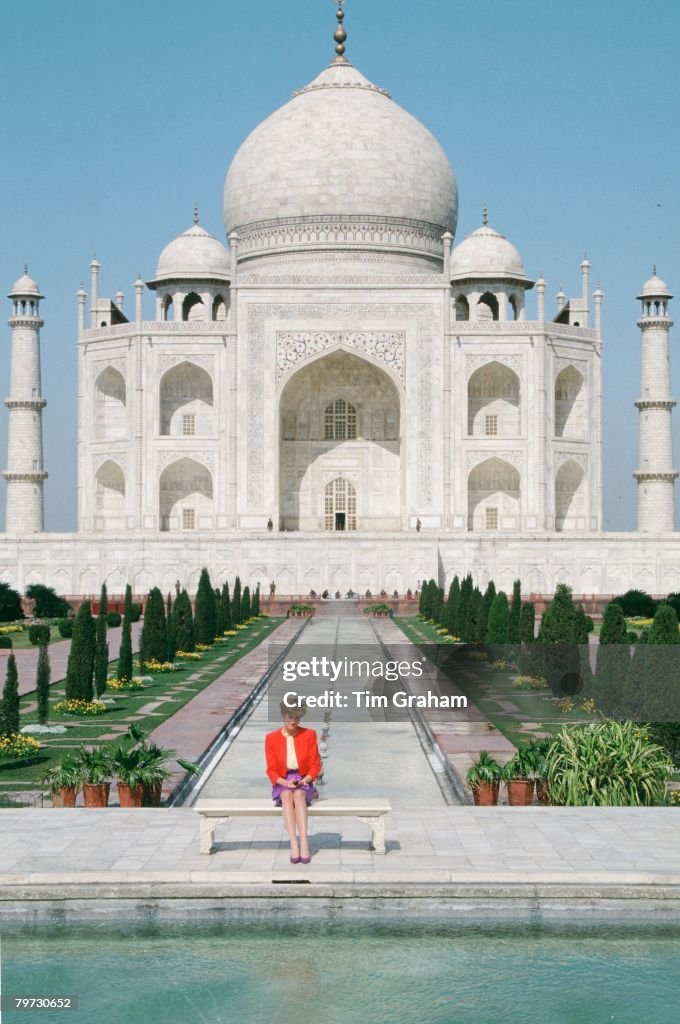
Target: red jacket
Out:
[306,751]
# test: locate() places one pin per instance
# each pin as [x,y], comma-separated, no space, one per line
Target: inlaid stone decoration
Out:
[294,346]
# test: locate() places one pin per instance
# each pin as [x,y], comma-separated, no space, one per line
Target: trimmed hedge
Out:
[136,612]
[65,627]
[113,619]
[5,642]
[39,634]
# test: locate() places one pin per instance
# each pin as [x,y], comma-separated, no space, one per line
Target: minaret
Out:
[655,474]
[24,473]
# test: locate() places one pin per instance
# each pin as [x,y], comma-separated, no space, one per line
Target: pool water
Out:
[366,973]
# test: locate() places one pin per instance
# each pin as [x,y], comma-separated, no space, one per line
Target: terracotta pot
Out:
[65,797]
[130,796]
[151,795]
[542,794]
[96,795]
[520,792]
[485,794]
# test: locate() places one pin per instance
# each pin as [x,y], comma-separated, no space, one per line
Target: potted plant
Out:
[95,768]
[484,779]
[155,766]
[518,775]
[63,781]
[537,749]
[129,769]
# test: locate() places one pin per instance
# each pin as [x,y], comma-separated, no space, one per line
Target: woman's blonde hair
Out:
[297,710]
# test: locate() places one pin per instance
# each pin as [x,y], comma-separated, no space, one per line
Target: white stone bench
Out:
[216,812]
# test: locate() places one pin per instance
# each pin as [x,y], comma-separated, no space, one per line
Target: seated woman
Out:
[293,764]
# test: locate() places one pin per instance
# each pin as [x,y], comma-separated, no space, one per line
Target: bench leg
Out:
[376,827]
[208,826]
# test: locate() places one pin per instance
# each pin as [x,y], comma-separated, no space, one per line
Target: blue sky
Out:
[118,116]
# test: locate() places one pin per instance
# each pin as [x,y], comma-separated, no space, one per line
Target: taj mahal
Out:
[340,394]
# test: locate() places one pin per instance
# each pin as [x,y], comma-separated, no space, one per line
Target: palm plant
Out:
[153,767]
[95,766]
[65,775]
[485,769]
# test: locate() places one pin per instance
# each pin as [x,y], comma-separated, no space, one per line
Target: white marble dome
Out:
[655,287]
[486,254]
[194,255]
[340,151]
[25,286]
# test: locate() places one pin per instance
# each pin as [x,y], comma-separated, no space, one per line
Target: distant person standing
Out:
[272,589]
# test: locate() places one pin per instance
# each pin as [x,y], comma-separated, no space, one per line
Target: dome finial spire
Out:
[340,35]
[654,270]
[195,213]
[485,216]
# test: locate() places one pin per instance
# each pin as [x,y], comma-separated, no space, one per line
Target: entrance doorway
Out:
[340,505]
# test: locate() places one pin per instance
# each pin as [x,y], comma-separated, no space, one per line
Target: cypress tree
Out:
[80,667]
[515,613]
[527,625]
[124,669]
[183,621]
[661,701]
[153,642]
[101,648]
[527,622]
[245,604]
[170,643]
[561,656]
[42,684]
[236,603]
[664,628]
[559,618]
[497,626]
[9,718]
[613,662]
[226,607]
[484,610]
[463,606]
[451,604]
[204,618]
[219,617]
[474,614]
[255,611]
[439,607]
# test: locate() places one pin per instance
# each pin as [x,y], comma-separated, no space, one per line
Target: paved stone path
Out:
[628,846]
[363,758]
[459,734]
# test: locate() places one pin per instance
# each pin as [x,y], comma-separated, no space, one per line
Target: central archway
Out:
[340,418]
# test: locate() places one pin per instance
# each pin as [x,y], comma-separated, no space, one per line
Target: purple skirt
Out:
[308,788]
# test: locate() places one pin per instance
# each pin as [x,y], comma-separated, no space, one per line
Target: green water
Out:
[346,974]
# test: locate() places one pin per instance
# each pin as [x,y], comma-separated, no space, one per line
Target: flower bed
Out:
[529,683]
[188,655]
[161,666]
[11,629]
[503,666]
[135,683]
[203,647]
[18,746]
[80,708]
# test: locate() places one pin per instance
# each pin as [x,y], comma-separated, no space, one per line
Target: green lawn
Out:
[20,641]
[167,693]
[518,714]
